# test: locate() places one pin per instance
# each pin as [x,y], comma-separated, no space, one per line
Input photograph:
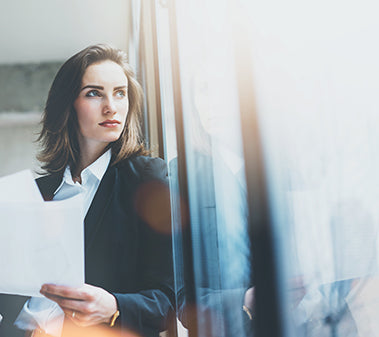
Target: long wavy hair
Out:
[59,134]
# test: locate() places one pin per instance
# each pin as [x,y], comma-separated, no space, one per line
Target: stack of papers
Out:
[40,242]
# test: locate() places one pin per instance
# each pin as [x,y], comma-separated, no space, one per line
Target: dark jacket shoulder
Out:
[143,168]
[136,168]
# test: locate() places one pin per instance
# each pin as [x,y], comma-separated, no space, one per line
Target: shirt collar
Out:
[99,166]
[96,169]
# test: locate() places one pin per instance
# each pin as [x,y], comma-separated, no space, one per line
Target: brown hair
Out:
[58,137]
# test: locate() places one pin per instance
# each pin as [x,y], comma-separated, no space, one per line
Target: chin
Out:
[112,138]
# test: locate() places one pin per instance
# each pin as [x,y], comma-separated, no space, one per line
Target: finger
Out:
[69,304]
[77,317]
[82,293]
[72,314]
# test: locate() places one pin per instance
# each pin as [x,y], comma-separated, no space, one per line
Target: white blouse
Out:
[91,177]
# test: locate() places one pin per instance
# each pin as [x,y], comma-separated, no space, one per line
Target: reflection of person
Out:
[91,145]
[224,305]
[223,297]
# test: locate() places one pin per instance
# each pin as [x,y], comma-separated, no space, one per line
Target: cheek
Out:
[124,109]
[84,114]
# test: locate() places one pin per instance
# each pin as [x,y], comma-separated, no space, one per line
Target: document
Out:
[40,242]
[19,186]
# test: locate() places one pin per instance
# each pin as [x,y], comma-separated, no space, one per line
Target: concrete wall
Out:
[22,98]
[18,133]
[25,86]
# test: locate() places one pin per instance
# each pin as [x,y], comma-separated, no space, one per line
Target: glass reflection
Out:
[216,184]
[218,225]
[322,159]
[216,207]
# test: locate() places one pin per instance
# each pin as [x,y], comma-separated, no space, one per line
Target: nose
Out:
[109,106]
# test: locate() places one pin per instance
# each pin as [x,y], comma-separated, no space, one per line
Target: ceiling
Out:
[53,30]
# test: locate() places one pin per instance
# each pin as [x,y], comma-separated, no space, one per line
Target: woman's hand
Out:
[85,306]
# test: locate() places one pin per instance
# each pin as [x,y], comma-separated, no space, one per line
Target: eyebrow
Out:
[102,88]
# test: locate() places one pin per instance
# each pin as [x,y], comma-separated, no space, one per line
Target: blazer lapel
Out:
[99,205]
[48,185]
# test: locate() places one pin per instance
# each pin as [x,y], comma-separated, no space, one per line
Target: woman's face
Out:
[102,105]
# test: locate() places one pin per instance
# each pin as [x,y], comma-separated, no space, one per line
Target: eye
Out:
[93,93]
[121,93]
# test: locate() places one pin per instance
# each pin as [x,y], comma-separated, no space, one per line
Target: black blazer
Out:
[124,253]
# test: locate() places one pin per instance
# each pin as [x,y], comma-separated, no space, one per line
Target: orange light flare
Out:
[70,329]
[152,204]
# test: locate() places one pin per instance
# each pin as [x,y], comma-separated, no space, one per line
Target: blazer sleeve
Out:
[146,311]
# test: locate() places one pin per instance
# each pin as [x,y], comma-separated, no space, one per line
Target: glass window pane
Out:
[316,83]
[215,164]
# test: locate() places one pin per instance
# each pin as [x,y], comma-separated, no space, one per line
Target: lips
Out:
[110,123]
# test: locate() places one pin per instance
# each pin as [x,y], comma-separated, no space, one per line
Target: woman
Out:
[91,145]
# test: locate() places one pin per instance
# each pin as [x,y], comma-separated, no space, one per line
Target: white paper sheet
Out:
[40,242]
[19,186]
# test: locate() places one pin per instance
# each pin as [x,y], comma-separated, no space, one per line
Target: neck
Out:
[88,155]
